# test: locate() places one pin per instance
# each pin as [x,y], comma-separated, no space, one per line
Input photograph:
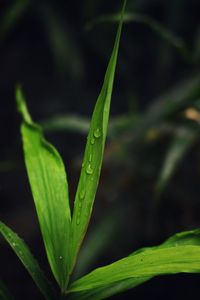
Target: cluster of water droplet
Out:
[89,171]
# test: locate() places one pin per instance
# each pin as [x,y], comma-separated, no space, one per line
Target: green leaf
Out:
[30,263]
[108,290]
[49,187]
[180,253]
[182,141]
[93,156]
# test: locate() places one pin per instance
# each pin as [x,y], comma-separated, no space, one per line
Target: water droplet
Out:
[89,170]
[97,133]
[13,244]
[79,204]
[77,221]
[90,158]
[60,257]
[82,194]
[92,141]
[83,165]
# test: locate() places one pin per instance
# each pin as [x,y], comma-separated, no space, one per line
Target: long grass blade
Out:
[49,187]
[180,253]
[93,156]
[30,263]
[182,141]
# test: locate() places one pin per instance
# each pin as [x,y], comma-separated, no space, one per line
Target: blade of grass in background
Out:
[49,187]
[4,292]
[163,32]
[81,124]
[93,156]
[165,106]
[98,240]
[180,253]
[182,141]
[8,165]
[62,41]
[30,263]
[11,16]
[67,123]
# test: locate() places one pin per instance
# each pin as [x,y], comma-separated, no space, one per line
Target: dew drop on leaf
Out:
[89,170]
[82,194]
[97,133]
[92,141]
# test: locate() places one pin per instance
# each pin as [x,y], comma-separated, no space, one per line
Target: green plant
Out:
[63,233]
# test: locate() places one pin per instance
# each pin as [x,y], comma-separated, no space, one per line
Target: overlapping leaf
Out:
[30,263]
[48,182]
[180,253]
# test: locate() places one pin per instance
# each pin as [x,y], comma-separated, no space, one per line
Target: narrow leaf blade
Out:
[180,253]
[93,156]
[182,141]
[30,263]
[48,183]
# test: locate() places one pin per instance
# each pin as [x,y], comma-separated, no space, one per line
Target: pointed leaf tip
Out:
[21,105]
[93,156]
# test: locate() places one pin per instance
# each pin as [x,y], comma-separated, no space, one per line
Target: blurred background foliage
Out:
[149,189]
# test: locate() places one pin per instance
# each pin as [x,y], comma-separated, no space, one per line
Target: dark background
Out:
[47,48]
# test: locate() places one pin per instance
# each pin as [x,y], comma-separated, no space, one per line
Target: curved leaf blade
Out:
[49,187]
[167,258]
[30,263]
[93,156]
